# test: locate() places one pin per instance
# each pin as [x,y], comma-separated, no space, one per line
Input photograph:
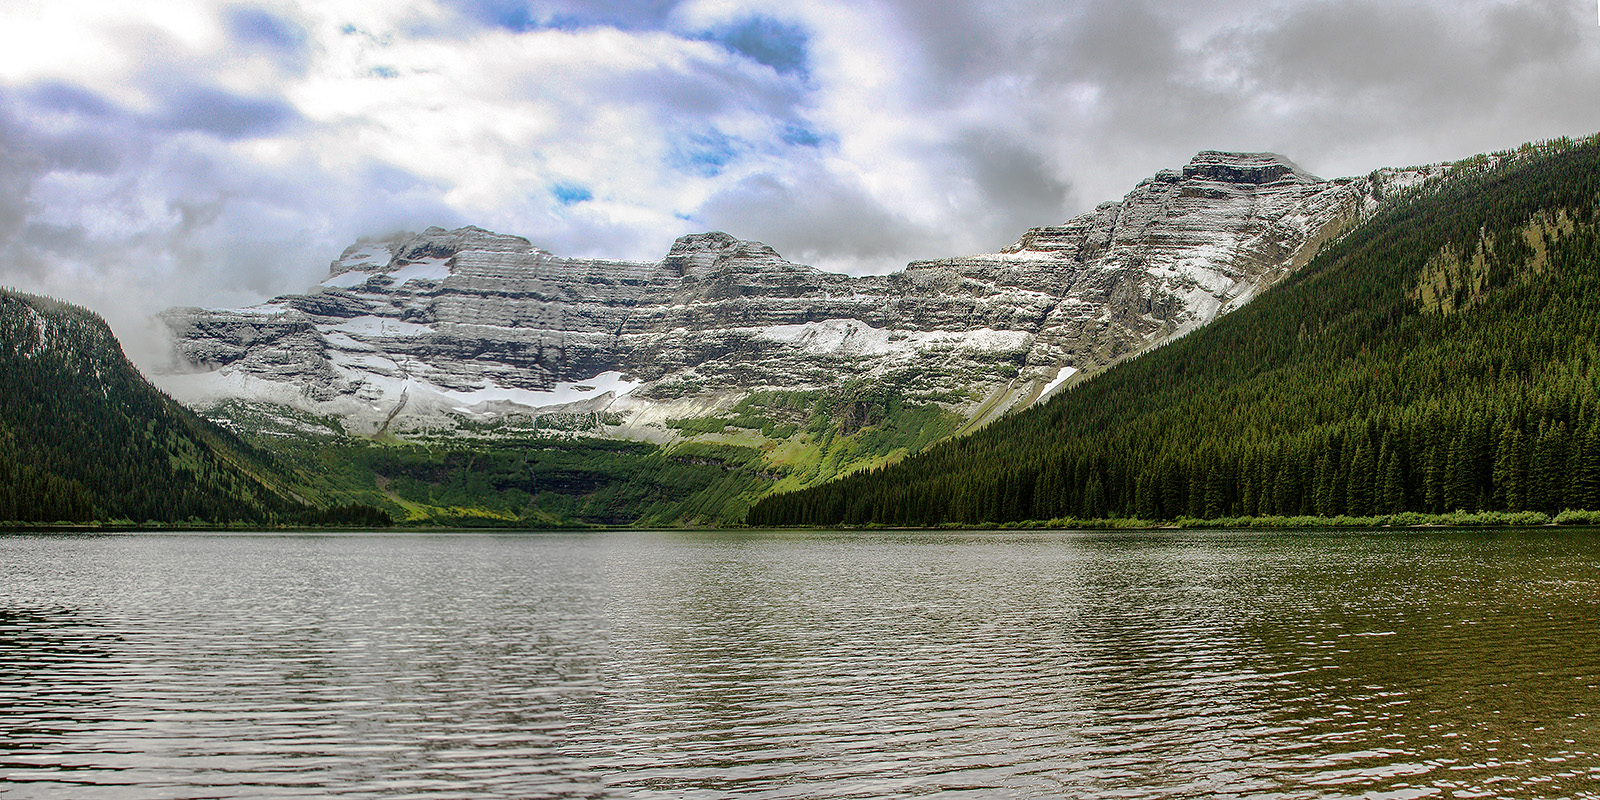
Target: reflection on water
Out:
[801,665]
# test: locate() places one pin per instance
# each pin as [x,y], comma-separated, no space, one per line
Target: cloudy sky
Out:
[194,152]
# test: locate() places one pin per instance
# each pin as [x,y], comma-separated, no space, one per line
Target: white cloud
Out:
[188,151]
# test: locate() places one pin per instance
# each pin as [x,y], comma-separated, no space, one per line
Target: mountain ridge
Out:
[430,363]
[1438,360]
[485,326]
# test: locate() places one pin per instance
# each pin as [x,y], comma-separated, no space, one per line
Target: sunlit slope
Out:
[1440,357]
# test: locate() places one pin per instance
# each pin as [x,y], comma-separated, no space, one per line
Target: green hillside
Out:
[1441,357]
[529,482]
[83,436]
[558,477]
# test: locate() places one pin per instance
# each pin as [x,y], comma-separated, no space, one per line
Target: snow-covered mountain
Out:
[468,330]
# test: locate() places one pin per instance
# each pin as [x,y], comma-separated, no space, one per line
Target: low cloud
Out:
[816,218]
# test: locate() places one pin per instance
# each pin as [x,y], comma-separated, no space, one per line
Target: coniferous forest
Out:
[1439,358]
[83,436]
[1444,356]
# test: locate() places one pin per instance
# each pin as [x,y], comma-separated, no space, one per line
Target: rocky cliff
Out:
[468,330]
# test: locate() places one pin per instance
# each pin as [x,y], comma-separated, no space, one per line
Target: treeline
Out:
[343,515]
[1348,390]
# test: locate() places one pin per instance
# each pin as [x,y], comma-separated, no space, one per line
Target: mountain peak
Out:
[704,252]
[436,242]
[418,327]
[1247,168]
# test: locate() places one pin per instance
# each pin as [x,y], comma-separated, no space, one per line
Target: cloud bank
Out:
[195,152]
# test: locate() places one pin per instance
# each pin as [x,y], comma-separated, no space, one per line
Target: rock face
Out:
[446,330]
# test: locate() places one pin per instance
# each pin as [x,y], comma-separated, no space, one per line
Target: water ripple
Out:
[800,666]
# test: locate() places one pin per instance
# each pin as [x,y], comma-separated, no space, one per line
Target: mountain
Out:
[1442,357]
[83,436]
[471,333]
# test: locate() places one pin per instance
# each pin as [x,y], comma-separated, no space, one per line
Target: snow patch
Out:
[377,393]
[1061,377]
[378,326]
[358,365]
[372,255]
[1240,299]
[852,337]
[427,269]
[1406,179]
[832,337]
[346,280]
[205,388]
[263,310]
[344,342]
[565,392]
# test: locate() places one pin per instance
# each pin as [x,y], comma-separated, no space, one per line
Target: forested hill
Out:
[1441,357]
[83,436]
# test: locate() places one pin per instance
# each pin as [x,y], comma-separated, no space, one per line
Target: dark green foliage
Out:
[345,515]
[84,437]
[1340,392]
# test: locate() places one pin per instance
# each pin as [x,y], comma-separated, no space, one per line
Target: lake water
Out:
[801,665]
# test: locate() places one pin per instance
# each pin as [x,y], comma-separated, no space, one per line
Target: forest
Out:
[84,437]
[1440,358]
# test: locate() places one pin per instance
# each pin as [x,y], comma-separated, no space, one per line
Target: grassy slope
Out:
[770,441]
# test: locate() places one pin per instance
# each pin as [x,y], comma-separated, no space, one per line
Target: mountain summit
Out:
[458,330]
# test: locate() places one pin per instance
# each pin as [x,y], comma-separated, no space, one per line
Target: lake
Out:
[801,665]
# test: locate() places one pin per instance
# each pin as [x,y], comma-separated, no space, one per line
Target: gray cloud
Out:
[1017,182]
[221,113]
[961,43]
[260,28]
[814,218]
[1415,50]
[103,206]
[1430,81]
[1122,42]
[889,130]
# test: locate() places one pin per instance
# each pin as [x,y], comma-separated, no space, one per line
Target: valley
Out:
[1236,342]
[785,376]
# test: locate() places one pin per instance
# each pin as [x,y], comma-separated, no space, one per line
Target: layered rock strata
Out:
[445,329]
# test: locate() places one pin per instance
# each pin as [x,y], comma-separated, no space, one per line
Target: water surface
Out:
[1439,664]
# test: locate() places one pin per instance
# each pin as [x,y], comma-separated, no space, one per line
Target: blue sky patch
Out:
[801,136]
[571,193]
[704,154]
[521,16]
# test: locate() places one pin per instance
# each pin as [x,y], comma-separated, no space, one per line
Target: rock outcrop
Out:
[444,329]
